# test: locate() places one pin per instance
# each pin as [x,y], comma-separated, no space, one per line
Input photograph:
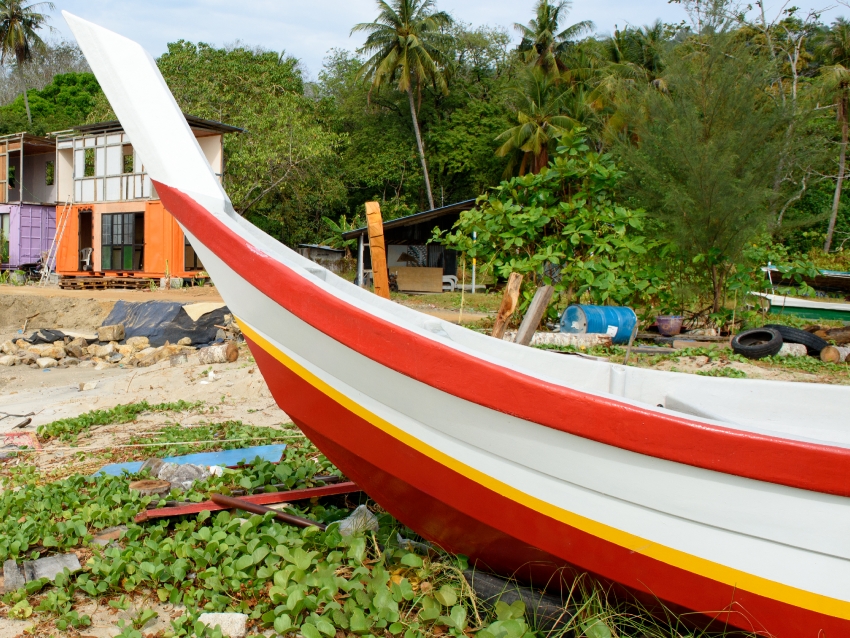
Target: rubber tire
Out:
[814,344]
[757,343]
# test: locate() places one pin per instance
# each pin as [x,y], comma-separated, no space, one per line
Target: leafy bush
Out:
[565,227]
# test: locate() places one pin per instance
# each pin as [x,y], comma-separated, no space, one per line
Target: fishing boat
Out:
[726,497]
[806,308]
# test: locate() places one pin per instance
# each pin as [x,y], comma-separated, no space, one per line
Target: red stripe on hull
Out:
[771,459]
[465,517]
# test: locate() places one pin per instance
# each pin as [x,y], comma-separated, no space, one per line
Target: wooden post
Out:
[508,306]
[534,314]
[375,224]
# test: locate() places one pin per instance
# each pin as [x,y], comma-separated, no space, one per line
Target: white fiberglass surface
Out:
[170,152]
[774,532]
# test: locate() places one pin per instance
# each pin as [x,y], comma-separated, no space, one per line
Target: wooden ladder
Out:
[61,223]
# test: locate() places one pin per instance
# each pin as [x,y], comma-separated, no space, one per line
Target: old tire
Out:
[814,344]
[758,343]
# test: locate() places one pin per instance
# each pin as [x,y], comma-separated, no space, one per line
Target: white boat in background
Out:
[721,496]
[806,308]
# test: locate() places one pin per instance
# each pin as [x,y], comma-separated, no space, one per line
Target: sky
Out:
[309,29]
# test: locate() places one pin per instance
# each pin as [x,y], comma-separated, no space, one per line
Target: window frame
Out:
[122,234]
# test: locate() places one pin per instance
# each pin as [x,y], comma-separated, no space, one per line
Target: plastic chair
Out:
[85,257]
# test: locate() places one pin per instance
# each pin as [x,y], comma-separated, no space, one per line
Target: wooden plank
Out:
[375,224]
[509,301]
[534,314]
[348,487]
[413,279]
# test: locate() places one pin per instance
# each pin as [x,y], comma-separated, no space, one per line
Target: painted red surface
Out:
[505,536]
[798,464]
[258,499]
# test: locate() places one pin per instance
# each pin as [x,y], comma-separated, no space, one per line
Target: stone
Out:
[111,333]
[74,351]
[48,350]
[22,345]
[138,343]
[792,350]
[13,576]
[51,566]
[182,476]
[177,360]
[125,350]
[26,358]
[70,361]
[115,357]
[88,364]
[8,360]
[231,624]
[185,341]
[101,351]
[78,342]
[103,365]
[87,385]
[219,353]
[8,348]
[46,362]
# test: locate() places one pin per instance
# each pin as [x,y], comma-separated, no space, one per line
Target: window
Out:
[4,238]
[191,261]
[122,241]
[128,159]
[88,167]
[11,175]
[48,173]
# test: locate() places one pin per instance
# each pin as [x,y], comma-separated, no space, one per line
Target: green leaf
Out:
[358,623]
[446,596]
[596,629]
[411,560]
[282,623]
[310,631]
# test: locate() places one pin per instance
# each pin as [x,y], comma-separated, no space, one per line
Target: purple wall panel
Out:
[31,232]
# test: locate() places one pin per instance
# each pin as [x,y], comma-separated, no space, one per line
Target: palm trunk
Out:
[421,149]
[26,99]
[836,200]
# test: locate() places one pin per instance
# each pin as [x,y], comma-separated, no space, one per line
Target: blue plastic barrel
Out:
[616,321]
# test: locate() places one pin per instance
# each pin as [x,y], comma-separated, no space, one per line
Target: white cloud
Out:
[308,30]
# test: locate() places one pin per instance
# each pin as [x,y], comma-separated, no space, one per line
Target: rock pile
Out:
[106,353]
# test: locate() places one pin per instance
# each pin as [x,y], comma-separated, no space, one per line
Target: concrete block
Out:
[138,343]
[13,576]
[8,348]
[51,566]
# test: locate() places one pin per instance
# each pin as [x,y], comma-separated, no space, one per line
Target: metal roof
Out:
[416,218]
[194,122]
[328,248]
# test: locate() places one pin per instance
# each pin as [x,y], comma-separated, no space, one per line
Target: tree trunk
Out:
[26,99]
[836,200]
[421,149]
[718,288]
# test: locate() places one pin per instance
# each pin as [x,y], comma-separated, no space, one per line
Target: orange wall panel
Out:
[67,253]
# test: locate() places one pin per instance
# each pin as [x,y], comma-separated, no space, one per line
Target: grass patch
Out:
[68,429]
[730,373]
[478,302]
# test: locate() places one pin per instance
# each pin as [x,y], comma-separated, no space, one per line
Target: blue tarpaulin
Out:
[225,458]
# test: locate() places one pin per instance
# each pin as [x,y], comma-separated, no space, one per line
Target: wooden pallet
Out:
[103,283]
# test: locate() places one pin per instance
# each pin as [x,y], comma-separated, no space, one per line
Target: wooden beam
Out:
[534,314]
[375,224]
[509,301]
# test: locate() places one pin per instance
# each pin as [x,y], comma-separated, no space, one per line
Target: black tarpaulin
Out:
[162,321]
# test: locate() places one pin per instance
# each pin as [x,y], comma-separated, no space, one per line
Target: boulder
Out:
[101,351]
[219,353]
[185,341]
[46,362]
[79,342]
[48,350]
[111,333]
[8,360]
[26,358]
[71,361]
[74,351]
[138,343]
[23,345]
[8,348]
[126,350]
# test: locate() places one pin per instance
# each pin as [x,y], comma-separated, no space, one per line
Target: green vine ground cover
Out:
[289,581]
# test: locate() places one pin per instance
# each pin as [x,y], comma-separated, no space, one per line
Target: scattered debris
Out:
[182,476]
[231,624]
[835,354]
[15,577]
[360,520]
[87,385]
[227,352]
[225,458]
[151,487]
[346,487]
[109,535]
[247,506]
[563,339]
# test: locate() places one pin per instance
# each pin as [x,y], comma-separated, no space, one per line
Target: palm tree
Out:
[540,121]
[543,43]
[405,43]
[18,25]
[836,83]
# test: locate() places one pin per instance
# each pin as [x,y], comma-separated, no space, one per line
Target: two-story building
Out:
[27,199]
[114,224]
